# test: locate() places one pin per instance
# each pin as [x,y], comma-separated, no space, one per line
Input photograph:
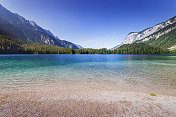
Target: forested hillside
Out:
[166,40]
[16,26]
[8,45]
[140,48]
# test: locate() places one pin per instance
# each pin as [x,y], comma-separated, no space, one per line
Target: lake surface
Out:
[150,73]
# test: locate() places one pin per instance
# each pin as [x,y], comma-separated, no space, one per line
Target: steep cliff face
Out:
[150,33]
[16,26]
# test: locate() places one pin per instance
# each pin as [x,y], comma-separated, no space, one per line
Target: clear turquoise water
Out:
[138,70]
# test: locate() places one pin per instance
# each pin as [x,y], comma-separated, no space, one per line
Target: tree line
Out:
[9,45]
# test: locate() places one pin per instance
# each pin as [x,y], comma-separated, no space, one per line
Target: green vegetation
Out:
[135,48]
[16,26]
[173,52]
[164,41]
[93,51]
[140,48]
[9,45]
[152,94]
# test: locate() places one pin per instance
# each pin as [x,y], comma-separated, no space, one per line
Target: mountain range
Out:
[18,35]
[16,26]
[161,35]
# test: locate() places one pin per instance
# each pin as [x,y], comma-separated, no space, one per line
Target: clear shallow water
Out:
[154,72]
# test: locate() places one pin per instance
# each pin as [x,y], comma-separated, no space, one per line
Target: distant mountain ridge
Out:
[143,35]
[79,47]
[161,35]
[16,26]
[115,47]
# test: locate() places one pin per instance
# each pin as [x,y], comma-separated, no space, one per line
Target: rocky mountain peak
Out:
[16,26]
[132,37]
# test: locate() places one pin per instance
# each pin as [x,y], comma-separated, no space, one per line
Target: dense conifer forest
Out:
[9,45]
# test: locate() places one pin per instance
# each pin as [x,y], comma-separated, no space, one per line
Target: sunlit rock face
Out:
[148,33]
[47,40]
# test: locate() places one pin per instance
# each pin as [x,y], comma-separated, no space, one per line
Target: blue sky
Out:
[94,23]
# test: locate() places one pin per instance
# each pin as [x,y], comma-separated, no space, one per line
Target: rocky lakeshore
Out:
[83,100]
